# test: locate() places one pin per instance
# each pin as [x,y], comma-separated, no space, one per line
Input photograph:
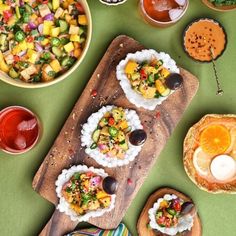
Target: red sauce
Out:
[159,9]
[19,129]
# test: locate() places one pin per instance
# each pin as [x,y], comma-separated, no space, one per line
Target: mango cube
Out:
[130,67]
[33,56]
[75,38]
[23,45]
[82,19]
[47,25]
[45,41]
[55,4]
[69,47]
[55,65]
[55,31]
[30,45]
[74,29]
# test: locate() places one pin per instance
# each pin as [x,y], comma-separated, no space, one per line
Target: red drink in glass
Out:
[19,129]
[163,13]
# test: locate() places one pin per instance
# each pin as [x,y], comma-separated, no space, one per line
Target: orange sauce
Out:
[203,35]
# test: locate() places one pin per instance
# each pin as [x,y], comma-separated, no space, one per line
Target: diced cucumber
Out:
[13,73]
[81,31]
[96,135]
[3,42]
[166,92]
[124,146]
[63,26]
[93,146]
[171,211]
[18,12]
[81,40]
[103,122]
[67,61]
[50,5]
[57,51]
[135,76]
[34,32]
[121,136]
[159,214]
[151,78]
[28,8]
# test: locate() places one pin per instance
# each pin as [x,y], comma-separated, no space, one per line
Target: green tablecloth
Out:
[24,213]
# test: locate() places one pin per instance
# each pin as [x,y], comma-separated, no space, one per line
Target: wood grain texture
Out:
[67,151]
[143,221]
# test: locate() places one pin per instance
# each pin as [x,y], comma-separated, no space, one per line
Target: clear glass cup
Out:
[162,13]
[19,130]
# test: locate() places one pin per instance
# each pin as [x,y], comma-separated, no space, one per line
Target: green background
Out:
[24,213]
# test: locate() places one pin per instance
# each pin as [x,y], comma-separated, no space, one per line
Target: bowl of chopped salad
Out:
[221,5]
[42,41]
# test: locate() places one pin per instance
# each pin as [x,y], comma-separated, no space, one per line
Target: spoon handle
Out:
[219,90]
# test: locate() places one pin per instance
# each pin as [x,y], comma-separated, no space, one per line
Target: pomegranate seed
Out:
[94,93]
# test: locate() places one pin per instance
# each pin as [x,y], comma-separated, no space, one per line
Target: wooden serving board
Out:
[143,221]
[67,150]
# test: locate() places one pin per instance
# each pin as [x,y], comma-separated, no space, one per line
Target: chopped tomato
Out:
[40,20]
[30,39]
[177,206]
[7,15]
[89,174]
[43,1]
[27,28]
[161,220]
[143,74]
[79,7]
[111,121]
[167,222]
[16,58]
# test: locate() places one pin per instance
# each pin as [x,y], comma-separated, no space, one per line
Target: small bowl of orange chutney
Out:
[204,39]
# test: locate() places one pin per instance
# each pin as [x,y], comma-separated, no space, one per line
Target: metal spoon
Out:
[219,89]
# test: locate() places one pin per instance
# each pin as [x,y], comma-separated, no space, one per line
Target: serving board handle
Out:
[59,225]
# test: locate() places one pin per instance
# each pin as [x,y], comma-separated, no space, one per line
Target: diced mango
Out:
[23,45]
[47,25]
[30,45]
[58,12]
[33,56]
[55,31]
[164,72]
[75,38]
[33,17]
[16,50]
[77,52]
[3,66]
[4,7]
[55,65]
[160,86]
[73,22]
[55,4]
[101,194]
[123,124]
[12,21]
[69,47]
[82,19]
[68,18]
[130,67]
[45,41]
[74,29]
[106,201]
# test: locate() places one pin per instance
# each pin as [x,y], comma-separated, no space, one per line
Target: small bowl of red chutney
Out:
[19,130]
